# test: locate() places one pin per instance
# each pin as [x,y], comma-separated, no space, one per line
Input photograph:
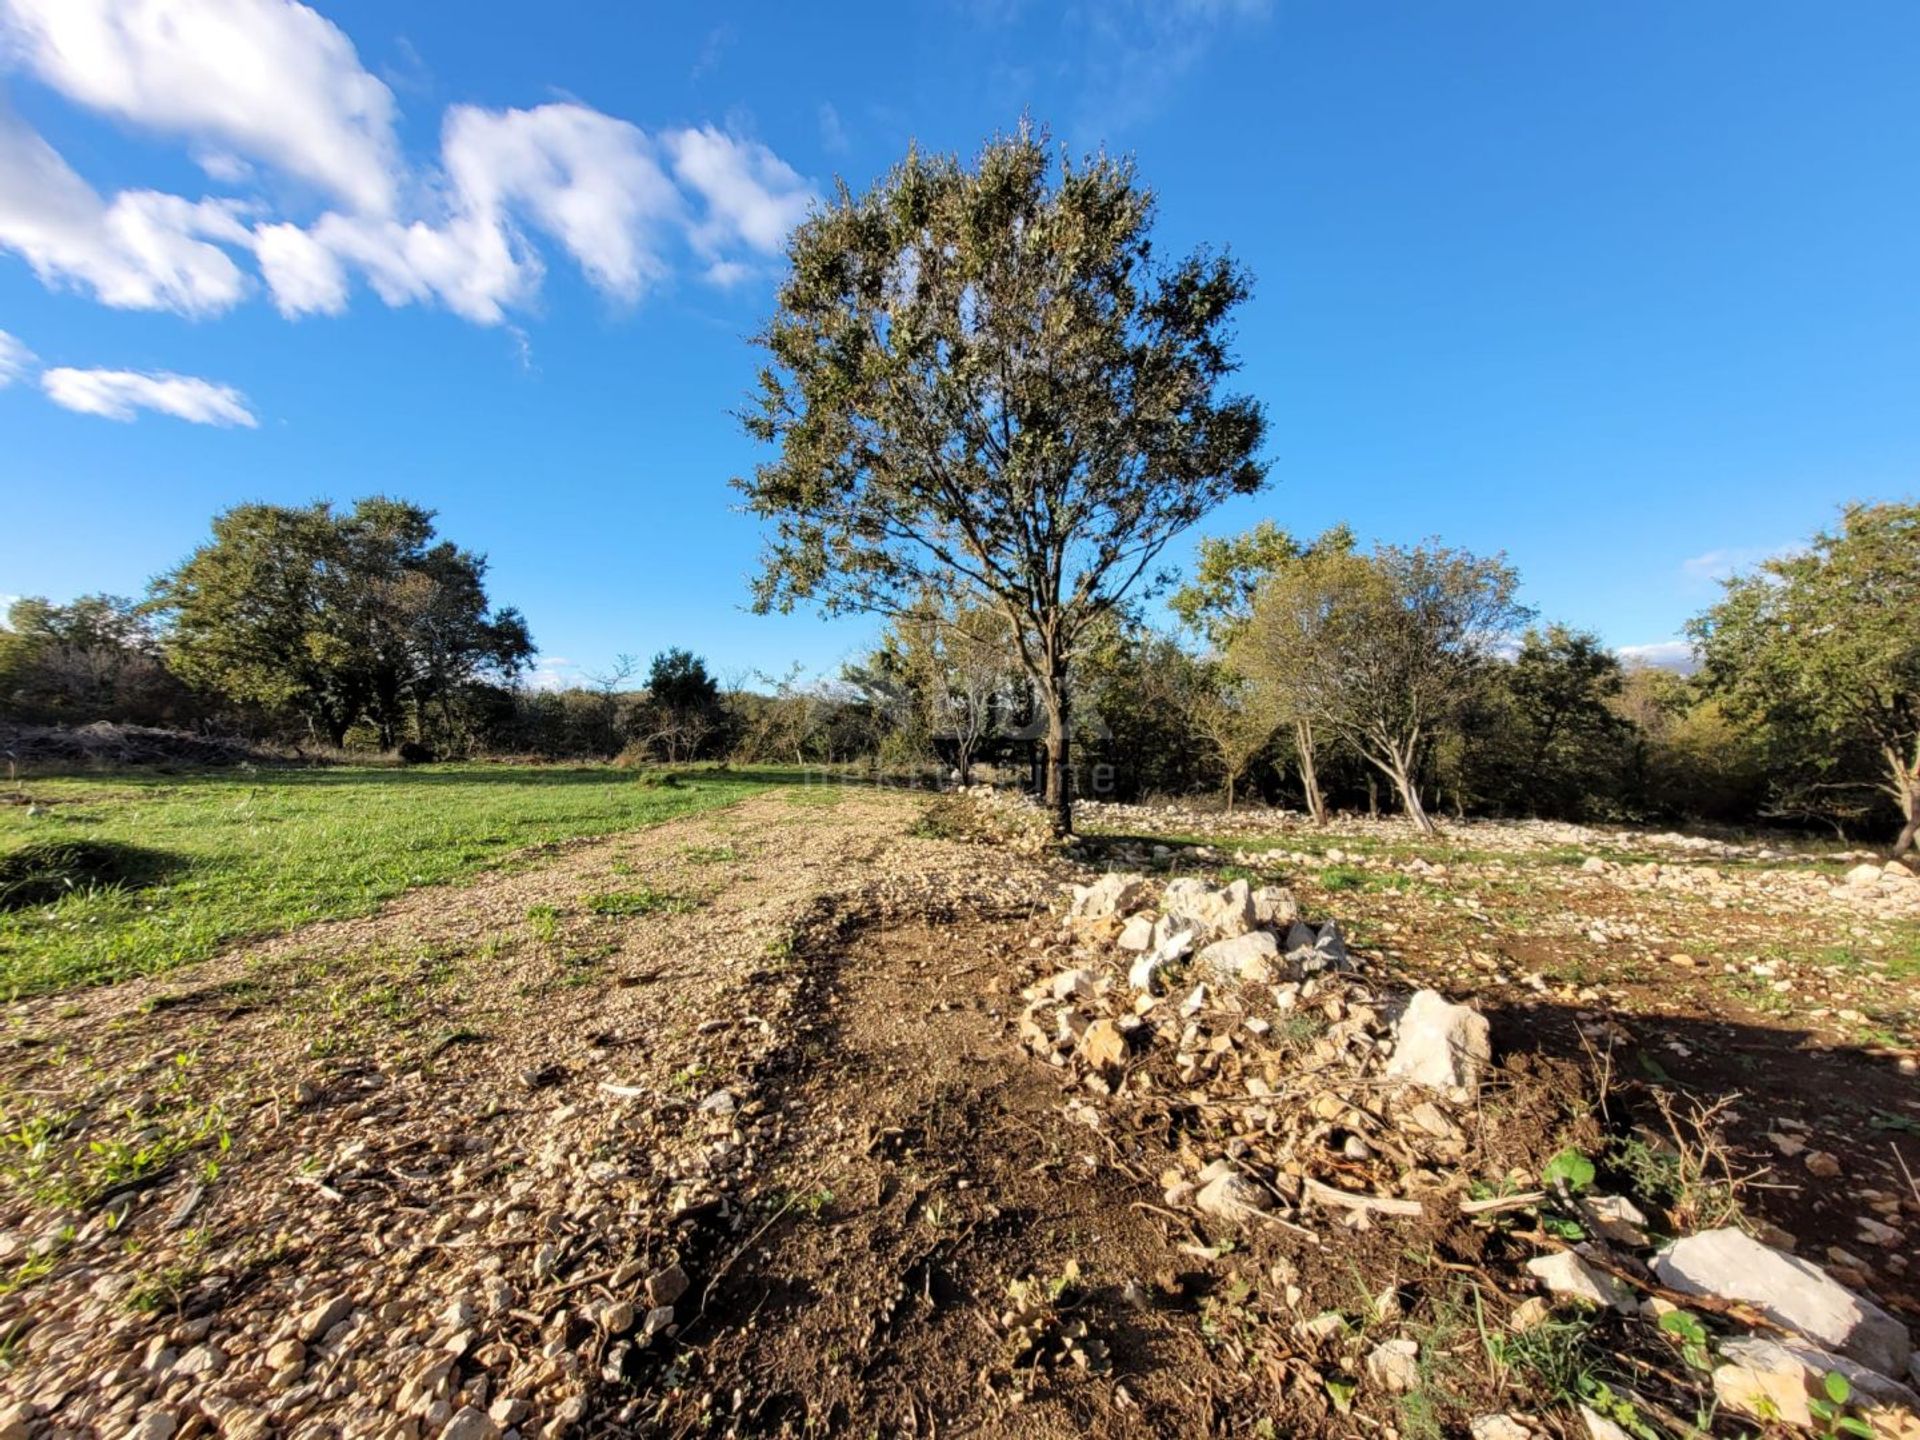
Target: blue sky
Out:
[1628,290]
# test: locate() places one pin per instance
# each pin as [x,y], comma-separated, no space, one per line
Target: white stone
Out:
[1762,1378]
[1566,1273]
[324,1316]
[1395,1364]
[1618,1219]
[1071,983]
[470,1423]
[1498,1427]
[1115,894]
[1136,934]
[1219,914]
[1862,876]
[1274,906]
[1231,1196]
[1601,1428]
[1440,1045]
[1789,1291]
[1245,957]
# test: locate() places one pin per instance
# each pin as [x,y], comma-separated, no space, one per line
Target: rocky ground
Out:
[826,1114]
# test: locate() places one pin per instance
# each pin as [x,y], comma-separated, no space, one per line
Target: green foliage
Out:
[643,901]
[1381,649]
[337,617]
[1823,647]
[96,658]
[267,852]
[1830,1409]
[986,372]
[1569,1168]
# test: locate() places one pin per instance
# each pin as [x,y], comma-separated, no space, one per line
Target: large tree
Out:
[1218,603]
[1380,649]
[337,617]
[1824,646]
[986,371]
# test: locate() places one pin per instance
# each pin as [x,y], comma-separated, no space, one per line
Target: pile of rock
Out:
[1312,1091]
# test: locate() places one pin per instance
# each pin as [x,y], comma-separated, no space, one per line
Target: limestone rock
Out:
[1498,1427]
[1217,914]
[1136,934]
[1313,948]
[1114,894]
[1440,1045]
[1104,1046]
[324,1316]
[1231,1196]
[1395,1364]
[1761,1378]
[1274,907]
[1564,1272]
[1790,1291]
[1251,956]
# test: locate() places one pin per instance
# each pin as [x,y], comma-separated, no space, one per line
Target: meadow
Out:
[213,858]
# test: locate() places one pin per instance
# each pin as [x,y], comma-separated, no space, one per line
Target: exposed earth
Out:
[782,1119]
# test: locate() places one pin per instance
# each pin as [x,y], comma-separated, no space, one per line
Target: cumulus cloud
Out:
[266,80]
[144,251]
[269,85]
[16,360]
[121,394]
[588,180]
[751,194]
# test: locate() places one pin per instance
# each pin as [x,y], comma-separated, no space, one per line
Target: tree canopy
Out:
[337,617]
[1824,646]
[985,371]
[1380,648]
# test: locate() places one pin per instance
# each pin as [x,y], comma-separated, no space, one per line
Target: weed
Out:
[643,901]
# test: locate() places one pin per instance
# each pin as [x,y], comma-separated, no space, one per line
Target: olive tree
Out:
[1824,647]
[985,371]
[1380,649]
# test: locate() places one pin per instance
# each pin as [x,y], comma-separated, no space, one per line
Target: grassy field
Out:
[218,857]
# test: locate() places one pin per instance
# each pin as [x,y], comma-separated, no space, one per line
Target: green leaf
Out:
[1569,1167]
[1341,1393]
[1837,1388]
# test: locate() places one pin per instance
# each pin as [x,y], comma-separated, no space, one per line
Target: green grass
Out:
[239,855]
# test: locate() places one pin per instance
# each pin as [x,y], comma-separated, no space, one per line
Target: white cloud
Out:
[585,178]
[16,360]
[833,130]
[259,87]
[1675,655]
[752,195]
[145,251]
[265,79]
[121,394]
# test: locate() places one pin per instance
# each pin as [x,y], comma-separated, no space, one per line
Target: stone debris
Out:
[1731,1265]
[1566,1273]
[1395,1365]
[1765,1379]
[1440,1045]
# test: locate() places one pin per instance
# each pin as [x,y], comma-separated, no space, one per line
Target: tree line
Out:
[991,405]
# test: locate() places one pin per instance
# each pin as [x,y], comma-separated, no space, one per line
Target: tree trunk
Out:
[1309,771]
[1410,798]
[1230,779]
[1059,774]
[1906,787]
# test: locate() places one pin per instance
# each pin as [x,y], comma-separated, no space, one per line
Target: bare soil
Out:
[761,1066]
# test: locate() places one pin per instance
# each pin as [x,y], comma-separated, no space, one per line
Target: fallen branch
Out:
[1377,1204]
[1502,1202]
